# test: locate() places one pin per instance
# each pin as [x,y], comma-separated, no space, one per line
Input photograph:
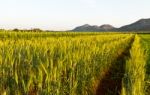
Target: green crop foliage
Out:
[56,64]
[146,44]
[70,63]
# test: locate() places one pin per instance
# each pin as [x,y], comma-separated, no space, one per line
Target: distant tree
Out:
[16,30]
[2,30]
[36,30]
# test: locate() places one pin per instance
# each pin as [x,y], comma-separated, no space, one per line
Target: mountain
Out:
[107,27]
[140,25]
[87,27]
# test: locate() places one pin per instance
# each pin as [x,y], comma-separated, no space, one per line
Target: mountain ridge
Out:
[140,25]
[87,27]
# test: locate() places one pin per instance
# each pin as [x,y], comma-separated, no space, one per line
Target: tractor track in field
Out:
[111,82]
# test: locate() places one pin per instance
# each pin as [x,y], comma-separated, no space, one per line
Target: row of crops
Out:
[146,44]
[134,77]
[136,80]
[71,63]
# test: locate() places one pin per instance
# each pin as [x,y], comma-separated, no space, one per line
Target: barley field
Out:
[72,63]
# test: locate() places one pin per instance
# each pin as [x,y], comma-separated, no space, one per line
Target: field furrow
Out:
[111,82]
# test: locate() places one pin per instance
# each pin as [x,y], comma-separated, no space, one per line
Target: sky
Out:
[67,14]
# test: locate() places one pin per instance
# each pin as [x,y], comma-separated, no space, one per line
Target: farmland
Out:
[71,63]
[146,44]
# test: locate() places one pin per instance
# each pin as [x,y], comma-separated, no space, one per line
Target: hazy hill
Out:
[87,27]
[140,25]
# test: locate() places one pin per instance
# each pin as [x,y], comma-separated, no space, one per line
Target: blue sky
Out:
[67,14]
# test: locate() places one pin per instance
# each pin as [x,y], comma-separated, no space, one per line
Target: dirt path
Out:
[111,83]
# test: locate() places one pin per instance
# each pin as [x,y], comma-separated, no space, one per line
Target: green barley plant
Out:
[57,63]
